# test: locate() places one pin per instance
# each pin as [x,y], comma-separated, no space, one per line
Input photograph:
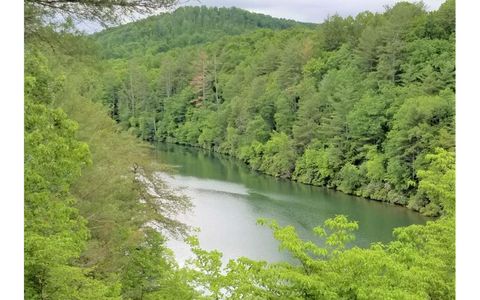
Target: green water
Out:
[228,198]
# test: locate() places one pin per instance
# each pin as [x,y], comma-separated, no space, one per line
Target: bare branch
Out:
[103,11]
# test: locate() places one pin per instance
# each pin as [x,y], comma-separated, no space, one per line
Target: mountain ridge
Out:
[186,26]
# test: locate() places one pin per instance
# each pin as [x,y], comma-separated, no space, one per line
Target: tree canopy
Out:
[357,110]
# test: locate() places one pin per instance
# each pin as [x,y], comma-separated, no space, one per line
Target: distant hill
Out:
[184,27]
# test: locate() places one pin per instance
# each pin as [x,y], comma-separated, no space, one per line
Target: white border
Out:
[467,133]
[11,124]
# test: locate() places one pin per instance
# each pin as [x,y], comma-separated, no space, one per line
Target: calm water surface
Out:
[228,198]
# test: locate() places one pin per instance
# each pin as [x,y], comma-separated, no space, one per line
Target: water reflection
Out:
[229,198]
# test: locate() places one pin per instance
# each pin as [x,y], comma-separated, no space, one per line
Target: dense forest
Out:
[356,104]
[186,26]
[364,105]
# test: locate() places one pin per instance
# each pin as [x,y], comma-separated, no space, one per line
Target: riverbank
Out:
[290,179]
[228,198]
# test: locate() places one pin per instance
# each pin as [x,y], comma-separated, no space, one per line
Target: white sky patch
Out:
[313,11]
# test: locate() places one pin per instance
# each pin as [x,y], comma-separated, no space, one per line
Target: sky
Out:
[314,11]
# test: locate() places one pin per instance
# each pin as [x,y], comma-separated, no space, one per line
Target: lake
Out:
[228,198]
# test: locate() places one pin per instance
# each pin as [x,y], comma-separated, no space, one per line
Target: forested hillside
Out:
[356,104]
[85,228]
[365,105]
[184,27]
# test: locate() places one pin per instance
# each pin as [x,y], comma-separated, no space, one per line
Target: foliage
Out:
[184,27]
[413,266]
[55,232]
[437,182]
[90,192]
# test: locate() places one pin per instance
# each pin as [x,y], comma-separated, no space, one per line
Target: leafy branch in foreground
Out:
[413,266]
[86,231]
